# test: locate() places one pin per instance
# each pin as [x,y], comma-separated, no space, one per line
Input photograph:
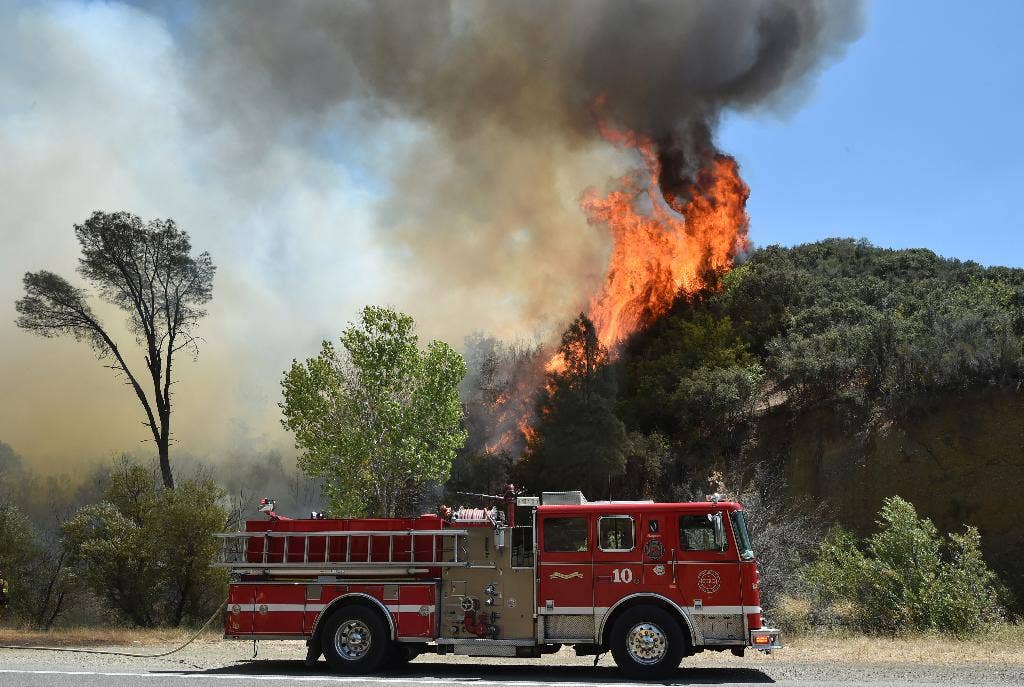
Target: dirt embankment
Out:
[960,462]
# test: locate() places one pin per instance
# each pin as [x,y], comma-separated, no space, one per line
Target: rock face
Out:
[961,462]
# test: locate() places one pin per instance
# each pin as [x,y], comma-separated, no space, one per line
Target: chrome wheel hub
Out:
[646,643]
[352,640]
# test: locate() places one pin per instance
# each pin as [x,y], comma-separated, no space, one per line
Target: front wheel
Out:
[355,640]
[647,643]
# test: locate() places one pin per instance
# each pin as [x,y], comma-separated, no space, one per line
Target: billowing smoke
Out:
[428,155]
[502,98]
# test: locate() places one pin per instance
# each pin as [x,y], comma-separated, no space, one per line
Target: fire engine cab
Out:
[650,582]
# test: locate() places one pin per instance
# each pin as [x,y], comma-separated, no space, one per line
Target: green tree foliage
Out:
[149,272]
[646,459]
[846,323]
[839,323]
[673,369]
[379,418]
[906,576]
[32,556]
[36,572]
[147,550]
[580,442]
[18,549]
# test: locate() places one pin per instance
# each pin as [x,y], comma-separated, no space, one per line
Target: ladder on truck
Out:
[343,551]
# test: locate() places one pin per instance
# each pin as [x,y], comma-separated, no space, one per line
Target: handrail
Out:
[237,550]
[342,533]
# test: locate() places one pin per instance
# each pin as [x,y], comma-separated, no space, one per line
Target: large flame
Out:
[661,246]
[659,252]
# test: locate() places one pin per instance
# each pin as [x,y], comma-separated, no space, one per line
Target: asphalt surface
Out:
[439,676]
[51,669]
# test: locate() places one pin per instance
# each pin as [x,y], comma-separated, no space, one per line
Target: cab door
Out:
[659,546]
[565,570]
[618,563]
[707,568]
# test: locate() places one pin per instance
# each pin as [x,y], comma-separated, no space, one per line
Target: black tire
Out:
[356,640]
[655,635]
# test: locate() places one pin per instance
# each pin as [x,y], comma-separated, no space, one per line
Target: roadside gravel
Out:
[797,664]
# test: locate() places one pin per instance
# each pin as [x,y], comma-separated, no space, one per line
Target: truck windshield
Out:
[739,525]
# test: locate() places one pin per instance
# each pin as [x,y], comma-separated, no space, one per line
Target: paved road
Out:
[18,671]
[218,663]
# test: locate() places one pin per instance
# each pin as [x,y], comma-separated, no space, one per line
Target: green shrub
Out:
[147,551]
[906,577]
[35,570]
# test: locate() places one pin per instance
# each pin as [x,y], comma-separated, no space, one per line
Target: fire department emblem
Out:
[566,576]
[708,581]
[654,549]
[659,570]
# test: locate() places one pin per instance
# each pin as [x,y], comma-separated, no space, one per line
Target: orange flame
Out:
[662,247]
[526,430]
[658,252]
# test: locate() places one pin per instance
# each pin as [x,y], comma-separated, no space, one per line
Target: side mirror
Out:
[719,523]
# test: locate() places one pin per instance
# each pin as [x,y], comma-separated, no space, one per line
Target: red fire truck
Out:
[650,582]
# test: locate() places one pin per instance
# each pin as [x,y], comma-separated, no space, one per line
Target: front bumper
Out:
[765,639]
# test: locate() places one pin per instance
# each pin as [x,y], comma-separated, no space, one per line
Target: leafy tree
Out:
[148,271]
[18,548]
[689,341]
[843,323]
[580,443]
[907,577]
[36,570]
[378,419]
[31,552]
[643,477]
[147,550]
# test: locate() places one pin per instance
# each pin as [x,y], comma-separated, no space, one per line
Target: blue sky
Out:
[914,138]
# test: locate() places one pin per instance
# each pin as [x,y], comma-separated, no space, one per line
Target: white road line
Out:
[323,678]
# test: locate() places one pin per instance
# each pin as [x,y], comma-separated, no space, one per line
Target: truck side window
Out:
[696,533]
[615,532]
[564,535]
[522,547]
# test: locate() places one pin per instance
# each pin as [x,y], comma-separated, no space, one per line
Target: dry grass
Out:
[98,636]
[999,646]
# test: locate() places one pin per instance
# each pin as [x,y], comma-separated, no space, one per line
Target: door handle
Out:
[673,567]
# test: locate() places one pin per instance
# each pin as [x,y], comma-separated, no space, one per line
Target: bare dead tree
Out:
[148,271]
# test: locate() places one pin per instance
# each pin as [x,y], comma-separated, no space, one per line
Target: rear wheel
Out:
[355,640]
[647,642]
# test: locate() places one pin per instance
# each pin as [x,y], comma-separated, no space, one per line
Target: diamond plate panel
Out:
[569,626]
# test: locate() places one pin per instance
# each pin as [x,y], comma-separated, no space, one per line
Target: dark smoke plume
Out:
[503,93]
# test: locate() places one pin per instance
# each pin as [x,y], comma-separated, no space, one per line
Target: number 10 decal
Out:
[624,575]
